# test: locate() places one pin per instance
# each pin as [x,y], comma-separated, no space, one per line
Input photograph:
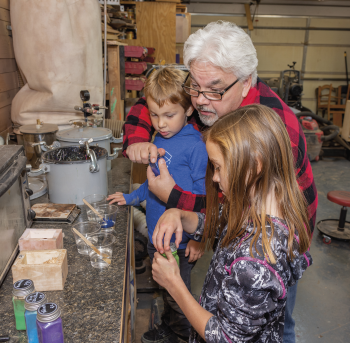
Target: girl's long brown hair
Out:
[258,159]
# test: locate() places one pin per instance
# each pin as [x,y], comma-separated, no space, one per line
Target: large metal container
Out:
[32,136]
[15,212]
[101,136]
[72,174]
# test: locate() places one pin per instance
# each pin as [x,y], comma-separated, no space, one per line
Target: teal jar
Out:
[31,304]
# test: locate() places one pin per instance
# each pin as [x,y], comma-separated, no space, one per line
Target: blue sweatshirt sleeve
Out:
[137,196]
[198,166]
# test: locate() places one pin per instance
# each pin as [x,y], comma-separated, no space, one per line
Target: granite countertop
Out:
[91,302]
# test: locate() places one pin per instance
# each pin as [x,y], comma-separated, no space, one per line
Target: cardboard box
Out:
[41,239]
[48,269]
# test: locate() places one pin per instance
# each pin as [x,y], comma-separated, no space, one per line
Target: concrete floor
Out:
[322,311]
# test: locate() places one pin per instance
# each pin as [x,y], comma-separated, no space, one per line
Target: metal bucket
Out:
[72,174]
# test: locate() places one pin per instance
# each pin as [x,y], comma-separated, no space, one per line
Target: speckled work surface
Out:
[91,302]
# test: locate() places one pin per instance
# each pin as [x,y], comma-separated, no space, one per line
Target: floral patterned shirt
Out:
[246,295]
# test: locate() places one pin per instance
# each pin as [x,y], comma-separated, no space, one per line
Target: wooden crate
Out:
[48,269]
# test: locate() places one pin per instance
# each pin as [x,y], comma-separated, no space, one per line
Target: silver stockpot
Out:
[74,172]
[101,136]
[38,139]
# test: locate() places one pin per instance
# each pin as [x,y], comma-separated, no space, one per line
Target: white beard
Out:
[208,120]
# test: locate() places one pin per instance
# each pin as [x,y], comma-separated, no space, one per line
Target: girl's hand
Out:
[117,197]
[165,271]
[168,223]
[193,250]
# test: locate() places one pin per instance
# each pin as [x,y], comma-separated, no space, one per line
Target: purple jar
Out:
[49,324]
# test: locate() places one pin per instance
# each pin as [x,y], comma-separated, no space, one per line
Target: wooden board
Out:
[6,97]
[3,28]
[114,82]
[8,81]
[5,118]
[4,14]
[5,4]
[7,65]
[6,47]
[249,17]
[52,211]
[156,28]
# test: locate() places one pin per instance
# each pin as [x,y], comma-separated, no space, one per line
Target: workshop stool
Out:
[335,228]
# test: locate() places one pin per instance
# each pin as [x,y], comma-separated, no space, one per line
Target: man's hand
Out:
[193,250]
[161,185]
[117,197]
[140,152]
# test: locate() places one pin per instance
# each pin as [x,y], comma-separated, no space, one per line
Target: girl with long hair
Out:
[261,229]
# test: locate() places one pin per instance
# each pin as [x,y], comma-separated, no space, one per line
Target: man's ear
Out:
[189,111]
[246,86]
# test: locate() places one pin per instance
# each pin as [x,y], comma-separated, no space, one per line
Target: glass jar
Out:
[173,250]
[20,290]
[49,324]
[31,303]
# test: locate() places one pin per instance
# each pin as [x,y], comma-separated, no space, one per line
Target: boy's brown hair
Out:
[165,85]
[258,159]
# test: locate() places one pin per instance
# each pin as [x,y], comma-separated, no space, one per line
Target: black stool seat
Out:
[337,228]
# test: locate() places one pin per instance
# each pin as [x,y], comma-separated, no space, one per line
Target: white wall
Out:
[324,55]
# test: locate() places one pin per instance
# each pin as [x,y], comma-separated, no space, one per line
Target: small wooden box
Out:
[48,269]
[41,239]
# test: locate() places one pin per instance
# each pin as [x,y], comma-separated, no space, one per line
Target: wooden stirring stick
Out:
[93,210]
[107,260]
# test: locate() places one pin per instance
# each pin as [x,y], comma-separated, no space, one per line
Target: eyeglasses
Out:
[207,95]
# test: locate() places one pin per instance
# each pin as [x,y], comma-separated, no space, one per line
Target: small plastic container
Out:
[21,289]
[94,200]
[85,228]
[103,242]
[49,324]
[32,302]
[109,215]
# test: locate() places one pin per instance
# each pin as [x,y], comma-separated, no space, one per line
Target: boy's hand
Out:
[161,185]
[116,197]
[140,152]
[193,250]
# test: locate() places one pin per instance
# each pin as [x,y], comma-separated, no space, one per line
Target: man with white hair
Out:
[223,77]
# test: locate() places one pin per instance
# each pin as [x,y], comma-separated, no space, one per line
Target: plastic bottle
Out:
[20,290]
[31,304]
[49,324]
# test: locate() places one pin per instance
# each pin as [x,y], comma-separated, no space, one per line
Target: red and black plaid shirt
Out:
[138,128]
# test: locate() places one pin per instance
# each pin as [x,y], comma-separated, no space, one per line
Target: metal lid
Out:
[173,247]
[22,288]
[84,133]
[34,300]
[45,128]
[48,313]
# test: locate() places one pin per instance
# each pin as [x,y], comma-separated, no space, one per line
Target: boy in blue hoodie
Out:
[186,158]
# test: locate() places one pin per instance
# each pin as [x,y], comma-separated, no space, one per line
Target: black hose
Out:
[331,136]
[314,116]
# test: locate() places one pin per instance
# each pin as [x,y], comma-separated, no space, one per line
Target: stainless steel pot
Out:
[38,139]
[101,136]
[75,172]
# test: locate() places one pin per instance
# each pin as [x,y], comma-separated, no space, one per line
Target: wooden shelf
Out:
[124,2]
